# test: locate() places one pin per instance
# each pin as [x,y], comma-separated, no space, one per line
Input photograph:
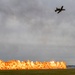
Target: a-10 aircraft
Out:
[58,10]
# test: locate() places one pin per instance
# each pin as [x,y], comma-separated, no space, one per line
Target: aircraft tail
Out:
[56,9]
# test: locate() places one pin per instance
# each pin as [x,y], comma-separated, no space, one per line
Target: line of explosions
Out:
[19,65]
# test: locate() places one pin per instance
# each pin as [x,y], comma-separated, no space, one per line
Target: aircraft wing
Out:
[62,7]
[58,12]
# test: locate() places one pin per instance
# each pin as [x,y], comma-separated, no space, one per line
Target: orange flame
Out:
[17,64]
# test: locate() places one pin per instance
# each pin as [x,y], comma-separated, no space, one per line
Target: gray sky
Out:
[30,29]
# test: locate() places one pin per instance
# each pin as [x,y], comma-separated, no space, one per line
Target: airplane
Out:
[58,10]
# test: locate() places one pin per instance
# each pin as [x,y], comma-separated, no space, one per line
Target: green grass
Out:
[38,72]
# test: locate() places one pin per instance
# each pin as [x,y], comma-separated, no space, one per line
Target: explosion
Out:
[18,65]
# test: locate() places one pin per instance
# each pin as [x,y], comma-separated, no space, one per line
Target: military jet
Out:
[58,10]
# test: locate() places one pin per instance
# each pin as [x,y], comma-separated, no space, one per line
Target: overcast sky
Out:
[30,29]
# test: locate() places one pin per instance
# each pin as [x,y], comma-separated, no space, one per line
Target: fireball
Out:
[17,64]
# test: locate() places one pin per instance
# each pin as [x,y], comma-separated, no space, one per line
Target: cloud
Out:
[30,21]
[33,26]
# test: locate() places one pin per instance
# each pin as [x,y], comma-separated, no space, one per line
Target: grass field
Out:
[38,72]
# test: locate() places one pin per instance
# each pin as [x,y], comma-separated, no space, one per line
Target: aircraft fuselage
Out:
[58,10]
